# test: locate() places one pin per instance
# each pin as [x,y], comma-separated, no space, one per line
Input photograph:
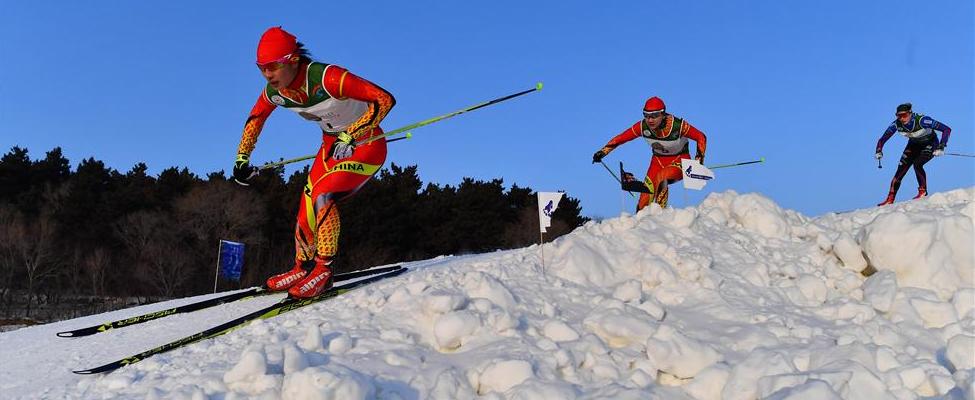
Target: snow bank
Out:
[331,382]
[961,351]
[736,298]
[679,355]
[931,251]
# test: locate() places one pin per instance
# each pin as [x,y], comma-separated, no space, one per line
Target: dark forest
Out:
[90,239]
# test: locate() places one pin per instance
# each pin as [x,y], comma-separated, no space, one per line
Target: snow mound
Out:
[736,298]
[932,251]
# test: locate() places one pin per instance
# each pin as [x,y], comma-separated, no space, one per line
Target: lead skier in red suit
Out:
[667,136]
[347,108]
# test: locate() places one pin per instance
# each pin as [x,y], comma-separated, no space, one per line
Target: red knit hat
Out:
[654,104]
[275,43]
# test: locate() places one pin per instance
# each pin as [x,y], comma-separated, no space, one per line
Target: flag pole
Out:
[548,202]
[541,247]
[541,242]
[216,274]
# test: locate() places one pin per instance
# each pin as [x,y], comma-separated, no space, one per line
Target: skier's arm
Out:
[690,132]
[631,133]
[344,84]
[883,138]
[929,122]
[255,122]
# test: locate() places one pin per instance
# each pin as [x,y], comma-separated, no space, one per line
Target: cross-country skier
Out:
[347,108]
[922,146]
[667,136]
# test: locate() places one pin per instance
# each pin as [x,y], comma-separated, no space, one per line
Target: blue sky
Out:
[810,86]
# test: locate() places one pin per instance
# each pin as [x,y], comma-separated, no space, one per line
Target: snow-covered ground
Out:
[733,299]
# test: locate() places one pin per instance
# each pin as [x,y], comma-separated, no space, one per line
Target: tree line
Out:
[99,233]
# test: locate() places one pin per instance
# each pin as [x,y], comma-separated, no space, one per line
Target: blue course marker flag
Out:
[231,259]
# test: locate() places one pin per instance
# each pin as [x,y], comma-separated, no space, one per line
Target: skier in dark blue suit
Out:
[922,146]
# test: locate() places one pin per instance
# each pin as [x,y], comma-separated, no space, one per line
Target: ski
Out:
[186,308]
[629,183]
[285,305]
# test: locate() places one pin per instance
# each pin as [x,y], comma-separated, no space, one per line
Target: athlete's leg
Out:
[305,227]
[665,169]
[340,179]
[651,184]
[307,220]
[924,155]
[907,159]
[666,176]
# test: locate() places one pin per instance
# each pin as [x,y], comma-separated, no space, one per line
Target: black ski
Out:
[629,182]
[252,292]
[285,305]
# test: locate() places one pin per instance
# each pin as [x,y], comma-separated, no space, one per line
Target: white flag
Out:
[695,174]
[547,203]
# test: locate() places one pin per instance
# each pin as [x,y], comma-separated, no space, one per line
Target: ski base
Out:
[285,305]
[252,292]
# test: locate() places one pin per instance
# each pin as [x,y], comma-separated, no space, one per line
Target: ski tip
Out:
[94,371]
[762,159]
[538,86]
[65,334]
[409,135]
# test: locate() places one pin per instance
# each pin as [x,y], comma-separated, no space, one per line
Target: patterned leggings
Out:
[663,171]
[330,181]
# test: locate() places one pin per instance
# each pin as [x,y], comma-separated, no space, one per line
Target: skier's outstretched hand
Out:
[243,171]
[940,151]
[598,156]
[879,155]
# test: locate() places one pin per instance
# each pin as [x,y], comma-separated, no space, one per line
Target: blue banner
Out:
[231,259]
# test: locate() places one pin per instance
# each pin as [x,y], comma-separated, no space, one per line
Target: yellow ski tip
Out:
[538,86]
[409,135]
[762,159]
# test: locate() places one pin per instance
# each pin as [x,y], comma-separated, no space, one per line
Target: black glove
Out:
[700,158]
[343,147]
[243,171]
[598,156]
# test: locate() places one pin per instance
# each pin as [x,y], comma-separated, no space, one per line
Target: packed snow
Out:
[736,298]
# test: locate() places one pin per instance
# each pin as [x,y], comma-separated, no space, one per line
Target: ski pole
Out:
[426,122]
[737,164]
[270,165]
[538,86]
[959,155]
[407,136]
[614,176]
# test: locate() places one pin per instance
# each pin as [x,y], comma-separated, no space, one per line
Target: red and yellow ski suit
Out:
[338,101]
[669,145]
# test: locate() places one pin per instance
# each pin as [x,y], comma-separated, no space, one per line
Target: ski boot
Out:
[288,279]
[890,200]
[921,192]
[316,282]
